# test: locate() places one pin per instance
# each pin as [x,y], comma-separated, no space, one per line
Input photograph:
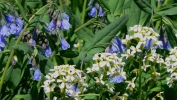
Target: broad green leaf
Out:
[144,5]
[102,38]
[45,63]
[8,74]
[135,13]
[69,53]
[24,47]
[167,10]
[104,4]
[83,33]
[156,89]
[116,6]
[22,97]
[15,77]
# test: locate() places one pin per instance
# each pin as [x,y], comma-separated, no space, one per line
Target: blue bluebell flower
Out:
[13,28]
[65,25]
[73,88]
[48,51]
[117,46]
[2,42]
[4,30]
[165,42]
[92,12]
[37,75]
[52,25]
[100,11]
[19,22]
[65,16]
[64,44]
[116,79]
[148,44]
[9,18]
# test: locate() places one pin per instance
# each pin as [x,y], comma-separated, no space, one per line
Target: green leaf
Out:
[167,10]
[69,53]
[83,32]
[171,35]
[45,64]
[116,6]
[22,97]
[102,38]
[135,13]
[104,4]
[22,10]
[156,89]
[24,47]
[89,97]
[144,5]
[8,74]
[15,77]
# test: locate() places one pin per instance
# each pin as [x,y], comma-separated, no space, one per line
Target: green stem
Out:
[140,72]
[61,4]
[13,50]
[84,11]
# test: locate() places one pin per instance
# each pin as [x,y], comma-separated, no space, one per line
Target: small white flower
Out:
[99,80]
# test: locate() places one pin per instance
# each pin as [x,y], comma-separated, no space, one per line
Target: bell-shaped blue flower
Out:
[2,42]
[65,25]
[64,44]
[165,42]
[65,16]
[100,11]
[37,75]
[9,18]
[48,51]
[73,88]
[116,79]
[92,12]
[148,44]
[52,25]
[117,46]
[4,31]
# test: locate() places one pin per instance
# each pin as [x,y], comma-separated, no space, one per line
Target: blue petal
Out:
[64,44]
[9,18]
[92,12]
[52,25]
[48,51]
[37,75]
[116,79]
[100,12]
[65,25]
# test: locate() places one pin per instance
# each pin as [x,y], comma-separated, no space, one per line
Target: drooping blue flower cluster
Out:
[13,25]
[93,10]
[117,46]
[62,24]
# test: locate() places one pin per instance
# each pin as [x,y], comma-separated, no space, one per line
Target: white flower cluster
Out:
[145,36]
[108,67]
[69,80]
[171,66]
